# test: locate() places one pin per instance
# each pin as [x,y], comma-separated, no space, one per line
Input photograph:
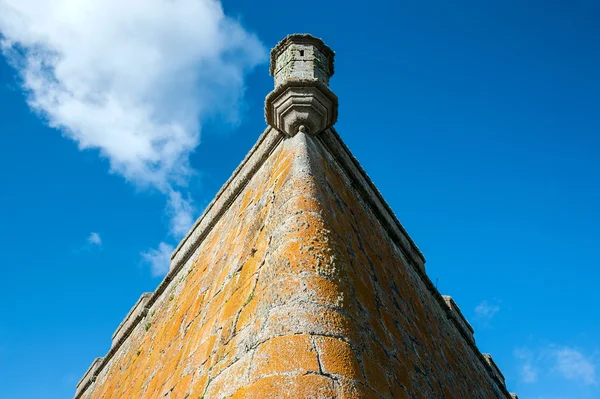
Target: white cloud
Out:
[486,310]
[527,370]
[573,365]
[159,259]
[94,239]
[181,213]
[569,363]
[132,79]
[528,373]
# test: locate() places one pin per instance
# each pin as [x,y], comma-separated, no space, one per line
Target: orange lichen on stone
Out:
[289,387]
[285,354]
[338,357]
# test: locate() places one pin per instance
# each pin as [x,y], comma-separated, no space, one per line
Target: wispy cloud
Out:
[92,242]
[181,212]
[567,362]
[159,259]
[132,79]
[94,239]
[572,364]
[486,310]
[527,370]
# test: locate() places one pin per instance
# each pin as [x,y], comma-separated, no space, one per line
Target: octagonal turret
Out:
[301,57]
[301,66]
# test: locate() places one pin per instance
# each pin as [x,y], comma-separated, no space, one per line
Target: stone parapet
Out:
[301,106]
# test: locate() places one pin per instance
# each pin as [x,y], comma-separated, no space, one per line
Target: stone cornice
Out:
[301,102]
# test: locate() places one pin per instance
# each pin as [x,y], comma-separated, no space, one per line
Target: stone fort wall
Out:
[297,283]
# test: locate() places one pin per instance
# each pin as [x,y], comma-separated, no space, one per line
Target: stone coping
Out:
[135,311]
[308,86]
[494,366]
[88,377]
[457,314]
[452,304]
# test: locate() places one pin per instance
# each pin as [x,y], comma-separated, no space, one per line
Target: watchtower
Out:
[298,281]
[301,101]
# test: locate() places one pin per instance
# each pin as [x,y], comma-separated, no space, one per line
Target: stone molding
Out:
[124,331]
[301,103]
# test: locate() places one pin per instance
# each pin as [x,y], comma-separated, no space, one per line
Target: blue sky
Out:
[478,121]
